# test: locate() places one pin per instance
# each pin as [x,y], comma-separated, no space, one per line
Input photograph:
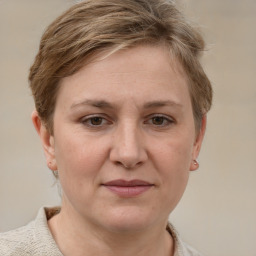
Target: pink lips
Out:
[130,188]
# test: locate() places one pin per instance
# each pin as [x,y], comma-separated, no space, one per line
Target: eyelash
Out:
[104,121]
[166,120]
[88,121]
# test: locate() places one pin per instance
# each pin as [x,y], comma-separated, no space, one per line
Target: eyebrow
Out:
[104,104]
[94,103]
[161,103]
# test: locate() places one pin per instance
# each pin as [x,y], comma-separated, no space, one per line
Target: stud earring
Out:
[50,165]
[196,162]
[196,165]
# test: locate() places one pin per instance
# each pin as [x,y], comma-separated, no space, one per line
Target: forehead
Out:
[142,72]
[143,57]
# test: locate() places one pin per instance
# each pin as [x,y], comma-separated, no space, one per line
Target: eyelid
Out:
[107,121]
[169,119]
[84,120]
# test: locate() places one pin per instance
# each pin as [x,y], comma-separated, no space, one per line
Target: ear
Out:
[47,140]
[197,145]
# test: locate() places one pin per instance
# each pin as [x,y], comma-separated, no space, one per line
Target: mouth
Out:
[124,188]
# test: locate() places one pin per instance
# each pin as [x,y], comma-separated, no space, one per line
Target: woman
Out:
[121,102]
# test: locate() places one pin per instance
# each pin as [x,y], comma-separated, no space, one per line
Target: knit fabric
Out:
[36,239]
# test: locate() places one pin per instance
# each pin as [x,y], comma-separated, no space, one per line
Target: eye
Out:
[94,121]
[160,120]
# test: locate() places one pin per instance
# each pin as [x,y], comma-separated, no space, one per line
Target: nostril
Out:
[128,152]
[128,166]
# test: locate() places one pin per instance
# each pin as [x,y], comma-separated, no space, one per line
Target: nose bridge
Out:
[129,137]
[128,149]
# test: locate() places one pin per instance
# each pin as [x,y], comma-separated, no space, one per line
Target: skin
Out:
[127,116]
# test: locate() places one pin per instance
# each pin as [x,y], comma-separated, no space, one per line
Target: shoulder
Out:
[33,239]
[189,251]
[18,241]
[181,248]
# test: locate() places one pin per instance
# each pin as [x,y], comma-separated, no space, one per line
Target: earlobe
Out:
[47,141]
[194,165]
[197,145]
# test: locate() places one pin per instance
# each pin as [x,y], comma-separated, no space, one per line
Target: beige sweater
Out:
[36,239]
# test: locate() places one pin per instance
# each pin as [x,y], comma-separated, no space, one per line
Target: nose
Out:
[128,147]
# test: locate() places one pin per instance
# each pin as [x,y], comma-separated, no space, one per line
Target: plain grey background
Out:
[217,214]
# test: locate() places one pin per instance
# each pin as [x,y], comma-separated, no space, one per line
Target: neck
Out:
[75,237]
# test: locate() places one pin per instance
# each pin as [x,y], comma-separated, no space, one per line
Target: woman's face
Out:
[124,139]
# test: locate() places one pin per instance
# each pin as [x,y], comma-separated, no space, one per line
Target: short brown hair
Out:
[92,26]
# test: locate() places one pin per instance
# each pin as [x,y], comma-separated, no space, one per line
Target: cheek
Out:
[173,154]
[175,174]
[77,157]
[79,164]
[172,160]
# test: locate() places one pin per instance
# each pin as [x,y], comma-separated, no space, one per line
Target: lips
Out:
[126,188]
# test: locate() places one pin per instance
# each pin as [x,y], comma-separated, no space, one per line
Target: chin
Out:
[129,219]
